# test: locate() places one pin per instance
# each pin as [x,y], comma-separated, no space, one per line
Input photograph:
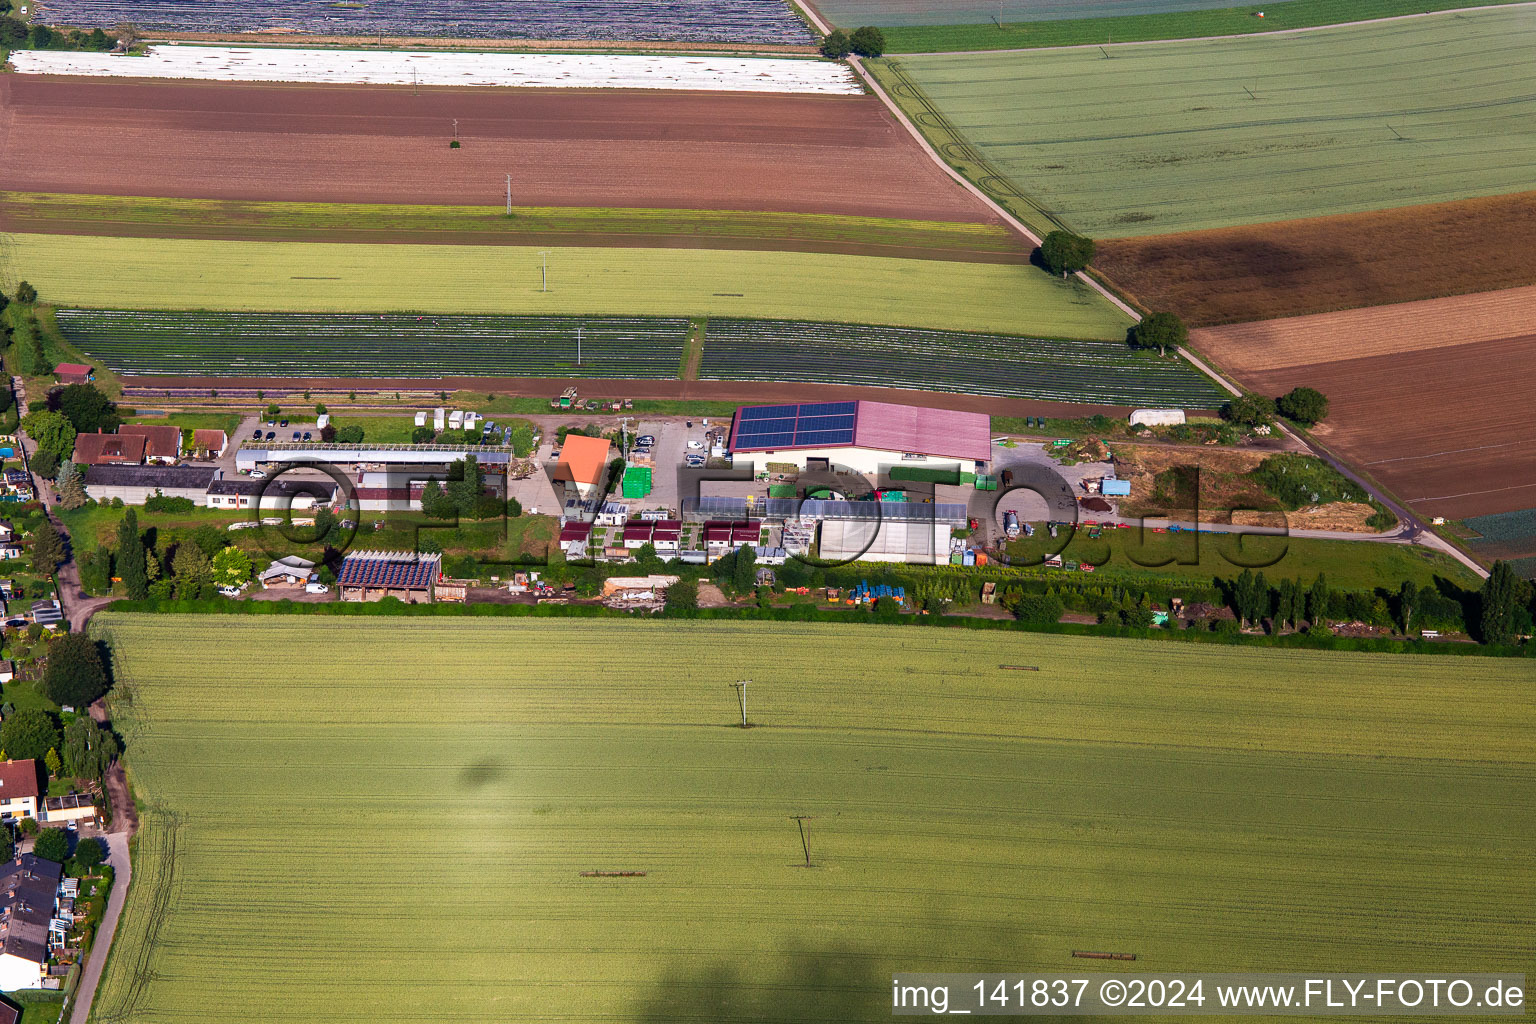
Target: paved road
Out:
[117,844]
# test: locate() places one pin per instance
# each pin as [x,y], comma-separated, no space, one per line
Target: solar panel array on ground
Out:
[300,344]
[714,21]
[820,425]
[1103,372]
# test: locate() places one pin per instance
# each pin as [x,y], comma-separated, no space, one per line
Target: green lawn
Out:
[1348,564]
[1186,135]
[415,801]
[152,273]
[219,218]
[916,26]
[37,1007]
[95,524]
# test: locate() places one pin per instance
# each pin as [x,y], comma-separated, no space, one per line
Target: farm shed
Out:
[29,888]
[137,484]
[73,373]
[162,442]
[583,464]
[916,542]
[1113,488]
[374,575]
[290,571]
[102,449]
[637,587]
[209,444]
[19,788]
[1157,417]
[254,455]
[861,436]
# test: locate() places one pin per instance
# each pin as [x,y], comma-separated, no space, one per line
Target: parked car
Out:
[257,474]
[316,588]
[645,440]
[306,435]
[284,423]
[256,436]
[230,591]
[271,423]
[271,435]
[295,435]
[695,444]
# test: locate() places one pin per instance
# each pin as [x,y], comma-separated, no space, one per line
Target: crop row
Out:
[718,21]
[295,344]
[985,364]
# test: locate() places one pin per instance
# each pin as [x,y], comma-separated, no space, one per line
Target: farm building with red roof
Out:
[375,575]
[861,436]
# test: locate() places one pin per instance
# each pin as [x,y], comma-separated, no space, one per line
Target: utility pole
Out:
[805,837]
[741,692]
[509,195]
[544,271]
[455,129]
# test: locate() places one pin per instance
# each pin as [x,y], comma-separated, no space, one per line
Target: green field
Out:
[252,220]
[918,26]
[337,842]
[1179,136]
[158,273]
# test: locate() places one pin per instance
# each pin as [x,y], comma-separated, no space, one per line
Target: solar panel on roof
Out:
[828,409]
[767,412]
[825,423]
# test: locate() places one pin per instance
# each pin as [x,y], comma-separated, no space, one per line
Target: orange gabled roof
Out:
[583,460]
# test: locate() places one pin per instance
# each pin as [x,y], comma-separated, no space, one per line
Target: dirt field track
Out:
[1427,397]
[724,151]
[1294,267]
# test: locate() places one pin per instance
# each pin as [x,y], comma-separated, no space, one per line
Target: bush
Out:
[28,826]
[168,503]
[422,435]
[1248,410]
[45,463]
[835,46]
[25,293]
[52,844]
[1161,331]
[1304,405]
[683,596]
[1065,253]
[352,434]
[867,41]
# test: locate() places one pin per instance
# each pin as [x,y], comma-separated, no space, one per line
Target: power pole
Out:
[805,837]
[509,195]
[544,271]
[741,693]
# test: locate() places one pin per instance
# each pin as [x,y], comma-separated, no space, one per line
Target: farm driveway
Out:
[122,867]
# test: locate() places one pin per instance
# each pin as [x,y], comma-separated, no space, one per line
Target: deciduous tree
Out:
[231,567]
[1065,253]
[74,674]
[835,45]
[867,41]
[28,733]
[1304,405]
[52,431]
[88,749]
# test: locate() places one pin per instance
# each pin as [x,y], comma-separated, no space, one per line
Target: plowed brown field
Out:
[1326,263]
[721,151]
[1430,398]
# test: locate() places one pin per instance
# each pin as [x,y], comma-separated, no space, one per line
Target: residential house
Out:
[575,536]
[20,786]
[7,530]
[162,441]
[76,807]
[722,538]
[102,449]
[47,613]
[583,464]
[374,575]
[10,550]
[73,373]
[18,483]
[291,571]
[29,892]
[209,444]
[662,534]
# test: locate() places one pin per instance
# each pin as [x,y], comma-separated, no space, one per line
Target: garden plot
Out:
[287,344]
[386,67]
[1100,372]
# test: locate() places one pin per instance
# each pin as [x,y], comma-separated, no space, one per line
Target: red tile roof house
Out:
[110,449]
[209,444]
[19,789]
[73,373]
[162,442]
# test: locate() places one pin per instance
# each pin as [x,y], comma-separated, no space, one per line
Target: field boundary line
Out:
[1262,34]
[1008,218]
